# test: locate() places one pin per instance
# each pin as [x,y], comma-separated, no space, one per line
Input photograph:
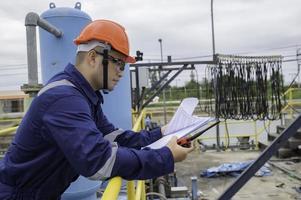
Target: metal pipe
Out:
[163,92]
[113,189]
[170,69]
[212,26]
[8,131]
[31,21]
[50,28]
[213,51]
[173,63]
[194,188]
[161,187]
[31,49]
[139,190]
[131,190]
[137,94]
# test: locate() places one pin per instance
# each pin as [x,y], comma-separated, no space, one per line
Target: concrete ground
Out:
[278,186]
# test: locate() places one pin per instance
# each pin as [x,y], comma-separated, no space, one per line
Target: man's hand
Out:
[179,153]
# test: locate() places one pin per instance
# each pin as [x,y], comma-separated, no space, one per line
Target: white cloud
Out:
[184,26]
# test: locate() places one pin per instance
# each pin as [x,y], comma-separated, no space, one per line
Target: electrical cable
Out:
[246,87]
[156,194]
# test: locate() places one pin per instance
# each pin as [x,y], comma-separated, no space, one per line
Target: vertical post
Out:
[299,63]
[130,190]
[137,88]
[213,52]
[198,85]
[256,135]
[194,188]
[212,27]
[163,92]
[32,55]
[290,102]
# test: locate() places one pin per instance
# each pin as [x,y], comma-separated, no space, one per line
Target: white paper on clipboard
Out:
[181,133]
[183,116]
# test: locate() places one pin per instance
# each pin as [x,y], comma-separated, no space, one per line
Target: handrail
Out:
[8,131]
[140,190]
[112,190]
[138,123]
[131,190]
[290,90]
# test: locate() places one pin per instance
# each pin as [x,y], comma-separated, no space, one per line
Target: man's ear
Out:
[91,57]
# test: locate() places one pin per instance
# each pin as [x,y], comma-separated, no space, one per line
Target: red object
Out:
[186,140]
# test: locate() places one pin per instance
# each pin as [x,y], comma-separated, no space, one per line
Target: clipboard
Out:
[179,134]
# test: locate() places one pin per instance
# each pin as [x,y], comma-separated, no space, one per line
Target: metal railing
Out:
[112,190]
[8,131]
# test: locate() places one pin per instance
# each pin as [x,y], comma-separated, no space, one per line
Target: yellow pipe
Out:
[8,131]
[230,136]
[130,190]
[139,190]
[113,189]
[10,120]
[138,122]
[143,195]
[294,103]
[290,99]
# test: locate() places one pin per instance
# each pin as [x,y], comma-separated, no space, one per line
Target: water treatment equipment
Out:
[57,52]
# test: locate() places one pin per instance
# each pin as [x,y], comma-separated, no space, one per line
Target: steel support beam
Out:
[172,63]
[163,86]
[261,160]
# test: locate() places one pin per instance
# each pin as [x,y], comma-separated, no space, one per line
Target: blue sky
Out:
[257,27]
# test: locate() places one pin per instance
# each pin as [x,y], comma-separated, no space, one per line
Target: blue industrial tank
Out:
[55,55]
[57,52]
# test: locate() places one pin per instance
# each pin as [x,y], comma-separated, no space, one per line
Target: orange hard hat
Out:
[108,32]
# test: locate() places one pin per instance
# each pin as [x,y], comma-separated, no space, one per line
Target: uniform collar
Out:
[83,84]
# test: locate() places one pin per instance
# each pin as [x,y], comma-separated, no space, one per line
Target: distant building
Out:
[11,103]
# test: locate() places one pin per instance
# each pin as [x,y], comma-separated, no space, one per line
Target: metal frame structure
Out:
[261,160]
[162,66]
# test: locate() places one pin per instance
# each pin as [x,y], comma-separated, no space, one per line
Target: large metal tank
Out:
[57,52]
[55,55]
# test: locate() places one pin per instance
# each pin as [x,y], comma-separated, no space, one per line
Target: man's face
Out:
[115,69]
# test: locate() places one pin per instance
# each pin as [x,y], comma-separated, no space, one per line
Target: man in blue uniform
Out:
[65,134]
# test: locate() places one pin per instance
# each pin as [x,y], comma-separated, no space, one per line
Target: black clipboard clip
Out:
[186,140]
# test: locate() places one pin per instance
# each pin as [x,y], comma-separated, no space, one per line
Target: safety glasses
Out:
[116,61]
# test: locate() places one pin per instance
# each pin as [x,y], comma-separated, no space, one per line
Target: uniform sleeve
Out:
[143,164]
[69,124]
[137,140]
[127,138]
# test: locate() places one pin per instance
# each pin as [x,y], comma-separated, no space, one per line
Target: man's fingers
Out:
[189,149]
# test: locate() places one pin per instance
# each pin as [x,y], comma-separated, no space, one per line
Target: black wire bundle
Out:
[245,87]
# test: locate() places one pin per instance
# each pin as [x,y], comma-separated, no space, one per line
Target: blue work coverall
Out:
[65,134]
